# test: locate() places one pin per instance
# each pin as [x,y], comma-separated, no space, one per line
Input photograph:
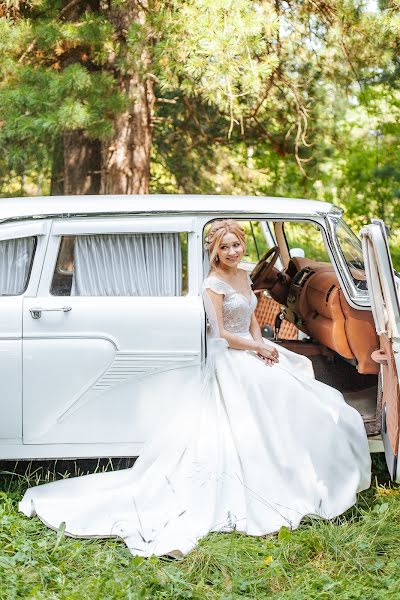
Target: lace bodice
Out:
[236,307]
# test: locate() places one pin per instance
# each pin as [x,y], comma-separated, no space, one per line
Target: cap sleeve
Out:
[214,284]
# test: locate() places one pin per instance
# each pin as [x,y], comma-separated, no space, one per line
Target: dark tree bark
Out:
[76,165]
[126,157]
[122,164]
[82,163]
[57,169]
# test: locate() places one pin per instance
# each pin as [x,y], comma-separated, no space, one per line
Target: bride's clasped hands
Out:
[252,448]
[269,356]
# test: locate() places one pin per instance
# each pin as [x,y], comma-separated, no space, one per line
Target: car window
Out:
[256,244]
[16,258]
[351,248]
[306,236]
[151,264]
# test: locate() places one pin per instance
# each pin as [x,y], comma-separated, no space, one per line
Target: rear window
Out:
[153,264]
[16,259]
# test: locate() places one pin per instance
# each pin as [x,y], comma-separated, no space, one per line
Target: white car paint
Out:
[72,398]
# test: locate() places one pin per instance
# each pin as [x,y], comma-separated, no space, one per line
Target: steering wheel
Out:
[263,269]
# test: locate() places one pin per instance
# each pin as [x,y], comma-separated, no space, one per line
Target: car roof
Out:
[69,206]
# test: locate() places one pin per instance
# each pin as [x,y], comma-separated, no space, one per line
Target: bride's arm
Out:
[255,330]
[236,341]
[257,336]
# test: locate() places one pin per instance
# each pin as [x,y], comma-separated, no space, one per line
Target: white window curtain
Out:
[128,265]
[15,263]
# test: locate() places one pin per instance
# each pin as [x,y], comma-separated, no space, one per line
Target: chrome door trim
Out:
[36,312]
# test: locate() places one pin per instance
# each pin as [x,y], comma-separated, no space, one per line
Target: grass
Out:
[354,556]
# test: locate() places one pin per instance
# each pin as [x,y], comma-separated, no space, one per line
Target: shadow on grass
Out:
[44,471]
[16,476]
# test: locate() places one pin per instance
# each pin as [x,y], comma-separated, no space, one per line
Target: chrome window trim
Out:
[354,296]
[181,213]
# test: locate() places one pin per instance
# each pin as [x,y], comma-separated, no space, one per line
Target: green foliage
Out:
[42,103]
[52,82]
[301,139]
[219,50]
[294,99]
[308,237]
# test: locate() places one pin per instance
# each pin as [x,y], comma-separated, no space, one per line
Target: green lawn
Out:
[355,556]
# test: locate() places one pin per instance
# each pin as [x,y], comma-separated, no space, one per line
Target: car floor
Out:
[363,400]
[340,374]
[360,391]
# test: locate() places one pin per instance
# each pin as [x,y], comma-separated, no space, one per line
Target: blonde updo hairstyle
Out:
[215,234]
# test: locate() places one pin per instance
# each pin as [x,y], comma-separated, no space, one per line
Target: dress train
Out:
[253,448]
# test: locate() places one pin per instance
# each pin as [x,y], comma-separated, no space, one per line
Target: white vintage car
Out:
[98,293]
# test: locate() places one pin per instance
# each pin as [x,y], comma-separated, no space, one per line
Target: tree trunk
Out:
[126,157]
[82,163]
[57,169]
[120,165]
[76,167]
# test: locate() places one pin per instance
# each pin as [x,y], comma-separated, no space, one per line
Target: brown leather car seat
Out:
[329,318]
[361,335]
[334,323]
[324,317]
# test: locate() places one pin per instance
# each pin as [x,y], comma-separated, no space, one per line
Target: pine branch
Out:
[264,96]
[29,49]
[69,7]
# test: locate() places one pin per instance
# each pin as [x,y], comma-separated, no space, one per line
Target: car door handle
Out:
[37,311]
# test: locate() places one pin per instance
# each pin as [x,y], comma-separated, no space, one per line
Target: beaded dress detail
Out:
[237,308]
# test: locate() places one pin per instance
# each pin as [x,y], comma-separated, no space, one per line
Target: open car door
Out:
[382,285]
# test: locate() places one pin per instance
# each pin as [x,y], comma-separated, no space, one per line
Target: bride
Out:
[258,444]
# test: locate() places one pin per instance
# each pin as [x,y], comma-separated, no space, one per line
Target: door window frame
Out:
[355,297]
[118,225]
[268,218]
[39,230]
[325,221]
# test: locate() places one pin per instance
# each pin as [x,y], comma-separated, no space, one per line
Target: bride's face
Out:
[230,251]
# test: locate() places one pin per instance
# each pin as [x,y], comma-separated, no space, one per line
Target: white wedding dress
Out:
[255,448]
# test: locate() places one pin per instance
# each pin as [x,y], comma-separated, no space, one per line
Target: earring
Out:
[217,259]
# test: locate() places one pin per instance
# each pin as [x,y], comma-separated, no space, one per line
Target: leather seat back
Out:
[325,319]
[361,335]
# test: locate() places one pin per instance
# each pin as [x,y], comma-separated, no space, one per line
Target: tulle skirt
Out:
[254,448]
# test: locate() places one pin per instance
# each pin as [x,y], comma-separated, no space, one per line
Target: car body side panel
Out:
[10,368]
[94,367]
[11,333]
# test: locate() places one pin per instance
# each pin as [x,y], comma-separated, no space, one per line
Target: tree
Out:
[189,86]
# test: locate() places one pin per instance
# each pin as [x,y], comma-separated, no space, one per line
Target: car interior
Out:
[301,306]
